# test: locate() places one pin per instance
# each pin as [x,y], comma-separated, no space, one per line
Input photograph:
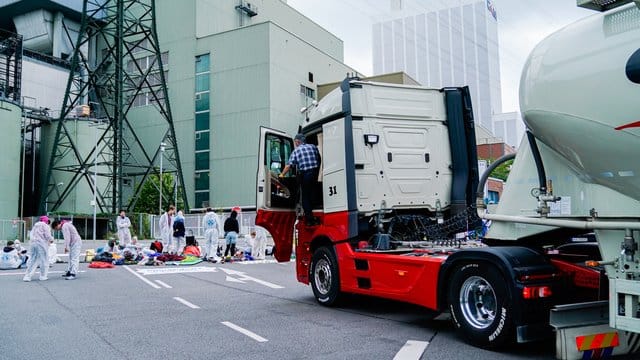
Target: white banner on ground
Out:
[175,270]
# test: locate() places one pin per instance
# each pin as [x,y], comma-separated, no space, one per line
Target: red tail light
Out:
[536,292]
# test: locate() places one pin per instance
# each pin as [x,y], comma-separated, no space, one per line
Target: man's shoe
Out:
[43,278]
[70,277]
[66,274]
[26,278]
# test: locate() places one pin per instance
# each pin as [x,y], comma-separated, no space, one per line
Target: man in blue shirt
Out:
[306,158]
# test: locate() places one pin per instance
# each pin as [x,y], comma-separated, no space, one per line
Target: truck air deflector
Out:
[462,140]
[352,203]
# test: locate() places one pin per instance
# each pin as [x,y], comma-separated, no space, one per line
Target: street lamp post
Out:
[162,145]
[96,124]
[175,190]
[95,176]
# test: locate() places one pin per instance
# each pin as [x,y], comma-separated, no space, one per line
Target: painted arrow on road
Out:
[229,278]
[240,276]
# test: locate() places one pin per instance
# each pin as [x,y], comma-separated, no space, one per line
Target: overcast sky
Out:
[521,25]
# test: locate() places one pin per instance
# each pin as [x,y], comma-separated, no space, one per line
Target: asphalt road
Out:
[225,311]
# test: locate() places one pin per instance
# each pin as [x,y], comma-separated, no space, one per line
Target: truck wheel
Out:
[325,280]
[481,306]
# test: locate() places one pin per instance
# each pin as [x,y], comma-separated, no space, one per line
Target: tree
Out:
[148,201]
[502,171]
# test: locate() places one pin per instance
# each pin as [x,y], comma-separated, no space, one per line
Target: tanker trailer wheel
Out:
[481,305]
[325,280]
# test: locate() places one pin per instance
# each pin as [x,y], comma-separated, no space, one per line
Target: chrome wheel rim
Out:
[478,302]
[322,276]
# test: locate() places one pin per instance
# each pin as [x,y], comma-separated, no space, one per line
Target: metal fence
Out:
[16,229]
[193,222]
[12,230]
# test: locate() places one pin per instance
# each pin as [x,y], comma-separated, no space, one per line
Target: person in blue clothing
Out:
[231,230]
[306,158]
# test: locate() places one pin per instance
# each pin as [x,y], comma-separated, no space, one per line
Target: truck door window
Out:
[283,191]
[278,151]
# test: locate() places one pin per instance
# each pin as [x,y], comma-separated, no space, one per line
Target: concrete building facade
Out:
[238,66]
[231,67]
[444,44]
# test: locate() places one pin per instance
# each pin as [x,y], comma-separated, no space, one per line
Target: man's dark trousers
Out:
[309,178]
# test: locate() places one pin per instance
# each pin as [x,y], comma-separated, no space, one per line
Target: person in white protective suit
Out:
[166,227]
[52,254]
[259,243]
[40,239]
[10,257]
[210,223]
[72,245]
[123,224]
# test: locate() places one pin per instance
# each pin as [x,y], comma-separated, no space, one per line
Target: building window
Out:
[202,140]
[308,92]
[202,82]
[202,121]
[310,77]
[202,180]
[202,63]
[153,81]
[202,160]
[493,197]
[202,145]
[202,199]
[202,101]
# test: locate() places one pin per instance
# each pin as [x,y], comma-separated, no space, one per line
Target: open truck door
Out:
[276,197]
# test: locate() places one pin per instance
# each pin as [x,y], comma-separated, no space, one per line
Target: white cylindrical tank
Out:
[10,116]
[579,94]
[83,133]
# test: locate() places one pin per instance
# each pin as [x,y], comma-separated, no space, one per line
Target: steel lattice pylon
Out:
[128,70]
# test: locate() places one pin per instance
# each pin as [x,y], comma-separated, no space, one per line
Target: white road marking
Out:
[252,262]
[176,270]
[241,276]
[37,272]
[179,299]
[412,350]
[164,284]
[231,279]
[141,277]
[244,331]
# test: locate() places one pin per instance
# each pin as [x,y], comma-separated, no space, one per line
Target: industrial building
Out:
[230,66]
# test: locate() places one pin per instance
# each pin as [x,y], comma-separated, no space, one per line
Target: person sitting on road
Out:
[156,246]
[10,258]
[112,247]
[192,249]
